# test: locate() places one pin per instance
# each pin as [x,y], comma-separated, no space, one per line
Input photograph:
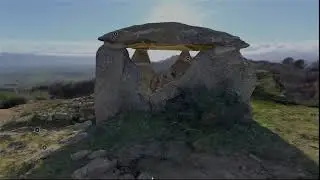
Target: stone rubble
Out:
[77,110]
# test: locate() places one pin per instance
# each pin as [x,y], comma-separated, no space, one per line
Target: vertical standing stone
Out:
[181,65]
[211,69]
[130,92]
[109,67]
[142,60]
[175,72]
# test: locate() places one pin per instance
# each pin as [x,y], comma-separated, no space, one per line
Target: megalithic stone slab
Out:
[210,68]
[171,36]
[131,96]
[109,68]
[140,56]
[181,65]
[142,60]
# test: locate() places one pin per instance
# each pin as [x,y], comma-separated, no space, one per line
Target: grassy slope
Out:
[280,132]
[295,124]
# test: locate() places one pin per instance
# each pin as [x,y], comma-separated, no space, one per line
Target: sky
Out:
[273,28]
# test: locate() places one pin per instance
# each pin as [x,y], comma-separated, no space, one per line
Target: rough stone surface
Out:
[142,60]
[212,70]
[175,72]
[81,126]
[171,35]
[95,166]
[77,138]
[181,65]
[80,155]
[144,175]
[98,153]
[109,68]
[126,176]
[116,86]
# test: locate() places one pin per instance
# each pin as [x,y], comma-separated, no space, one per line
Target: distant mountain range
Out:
[30,68]
[11,62]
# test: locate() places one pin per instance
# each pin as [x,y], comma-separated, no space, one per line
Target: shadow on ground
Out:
[268,148]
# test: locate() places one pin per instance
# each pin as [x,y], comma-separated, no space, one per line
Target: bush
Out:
[288,60]
[12,101]
[300,64]
[71,89]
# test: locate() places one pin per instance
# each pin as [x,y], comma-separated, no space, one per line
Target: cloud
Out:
[61,48]
[276,51]
[184,11]
[69,48]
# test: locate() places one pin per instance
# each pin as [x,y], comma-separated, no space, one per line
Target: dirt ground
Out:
[5,114]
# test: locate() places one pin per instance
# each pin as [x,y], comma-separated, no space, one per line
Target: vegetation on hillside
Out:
[10,99]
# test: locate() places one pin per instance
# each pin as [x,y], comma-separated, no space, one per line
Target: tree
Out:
[314,66]
[300,63]
[288,60]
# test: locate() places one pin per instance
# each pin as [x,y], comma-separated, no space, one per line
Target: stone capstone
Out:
[170,36]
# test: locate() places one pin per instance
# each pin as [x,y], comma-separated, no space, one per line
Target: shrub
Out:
[71,89]
[12,101]
[288,60]
[300,64]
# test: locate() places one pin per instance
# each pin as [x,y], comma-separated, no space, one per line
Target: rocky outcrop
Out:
[125,84]
[287,84]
